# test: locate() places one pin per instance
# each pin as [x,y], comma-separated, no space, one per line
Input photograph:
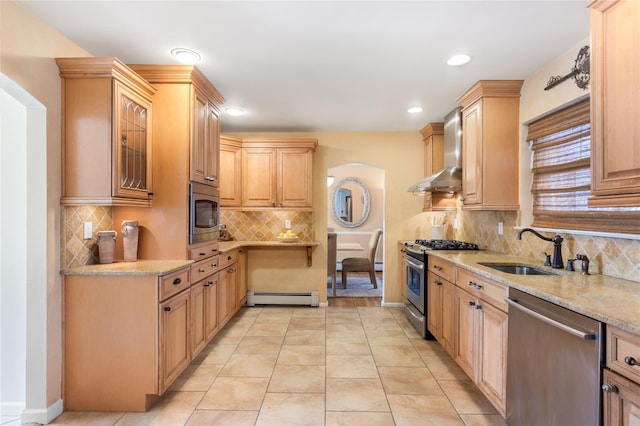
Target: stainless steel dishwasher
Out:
[554,364]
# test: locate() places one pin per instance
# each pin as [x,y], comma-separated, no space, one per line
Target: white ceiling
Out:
[330,65]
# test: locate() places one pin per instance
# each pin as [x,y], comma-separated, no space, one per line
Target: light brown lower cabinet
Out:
[621,400]
[479,333]
[128,337]
[175,353]
[441,298]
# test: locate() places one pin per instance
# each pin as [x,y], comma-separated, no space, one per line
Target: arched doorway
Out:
[352,184]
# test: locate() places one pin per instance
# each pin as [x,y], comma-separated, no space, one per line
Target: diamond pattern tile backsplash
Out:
[266,225]
[615,257]
[76,250]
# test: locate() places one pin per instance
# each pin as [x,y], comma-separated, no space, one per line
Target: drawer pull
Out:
[177,281]
[228,257]
[215,250]
[610,388]
[214,264]
[208,283]
[477,286]
[202,254]
[167,308]
[437,267]
[630,361]
[201,270]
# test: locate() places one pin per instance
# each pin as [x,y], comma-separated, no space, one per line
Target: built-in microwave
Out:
[204,213]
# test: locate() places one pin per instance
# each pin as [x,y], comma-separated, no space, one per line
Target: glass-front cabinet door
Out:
[132,144]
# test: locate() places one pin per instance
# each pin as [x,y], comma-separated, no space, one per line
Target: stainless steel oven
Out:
[204,213]
[415,305]
[415,261]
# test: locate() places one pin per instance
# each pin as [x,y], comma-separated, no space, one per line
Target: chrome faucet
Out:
[557,246]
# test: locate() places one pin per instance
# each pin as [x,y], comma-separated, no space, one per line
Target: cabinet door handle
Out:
[478,306]
[208,283]
[472,303]
[231,270]
[610,388]
[167,308]
[177,281]
[437,282]
[630,361]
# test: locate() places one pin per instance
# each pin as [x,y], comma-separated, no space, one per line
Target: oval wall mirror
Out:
[350,202]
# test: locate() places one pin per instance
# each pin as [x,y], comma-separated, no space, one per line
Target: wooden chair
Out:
[331,259]
[363,264]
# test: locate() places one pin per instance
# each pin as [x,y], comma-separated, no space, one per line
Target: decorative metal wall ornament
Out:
[580,72]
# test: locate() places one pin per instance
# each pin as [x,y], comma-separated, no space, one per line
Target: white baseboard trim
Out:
[42,415]
[11,408]
[393,304]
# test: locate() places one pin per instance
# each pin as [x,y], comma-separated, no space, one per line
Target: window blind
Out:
[561,166]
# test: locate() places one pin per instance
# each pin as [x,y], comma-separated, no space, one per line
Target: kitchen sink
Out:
[516,268]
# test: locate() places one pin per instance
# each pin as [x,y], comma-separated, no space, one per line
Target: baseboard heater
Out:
[273,298]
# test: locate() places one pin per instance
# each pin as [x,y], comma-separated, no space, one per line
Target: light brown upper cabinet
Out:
[191,111]
[231,170]
[490,139]
[615,103]
[106,138]
[433,138]
[277,173]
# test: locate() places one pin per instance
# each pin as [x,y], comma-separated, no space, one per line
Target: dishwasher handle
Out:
[586,335]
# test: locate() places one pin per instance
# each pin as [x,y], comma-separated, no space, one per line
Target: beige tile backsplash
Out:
[75,249]
[615,257]
[266,225]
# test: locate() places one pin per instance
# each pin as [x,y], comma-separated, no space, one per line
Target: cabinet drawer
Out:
[442,268]
[623,353]
[228,258]
[174,283]
[203,251]
[483,288]
[204,268]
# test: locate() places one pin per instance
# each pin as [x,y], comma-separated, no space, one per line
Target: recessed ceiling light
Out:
[186,56]
[414,110]
[234,111]
[458,60]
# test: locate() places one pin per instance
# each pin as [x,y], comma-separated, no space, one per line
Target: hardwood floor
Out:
[354,302]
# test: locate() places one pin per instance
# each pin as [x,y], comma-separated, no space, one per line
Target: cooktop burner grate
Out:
[447,245]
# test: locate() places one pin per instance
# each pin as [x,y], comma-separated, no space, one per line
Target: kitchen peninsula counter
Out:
[611,300]
[227,246]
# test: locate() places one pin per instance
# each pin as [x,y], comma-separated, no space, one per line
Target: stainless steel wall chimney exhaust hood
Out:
[450,178]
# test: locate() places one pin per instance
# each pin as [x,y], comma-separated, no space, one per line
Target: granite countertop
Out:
[607,299]
[225,246]
[140,267]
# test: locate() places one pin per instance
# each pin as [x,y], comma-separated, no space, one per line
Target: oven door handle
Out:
[412,314]
[413,264]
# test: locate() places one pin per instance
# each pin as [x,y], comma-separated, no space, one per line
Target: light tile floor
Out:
[314,366]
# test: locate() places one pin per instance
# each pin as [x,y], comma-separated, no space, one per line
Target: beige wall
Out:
[28,49]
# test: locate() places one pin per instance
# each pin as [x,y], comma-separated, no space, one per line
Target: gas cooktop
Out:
[441,245]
